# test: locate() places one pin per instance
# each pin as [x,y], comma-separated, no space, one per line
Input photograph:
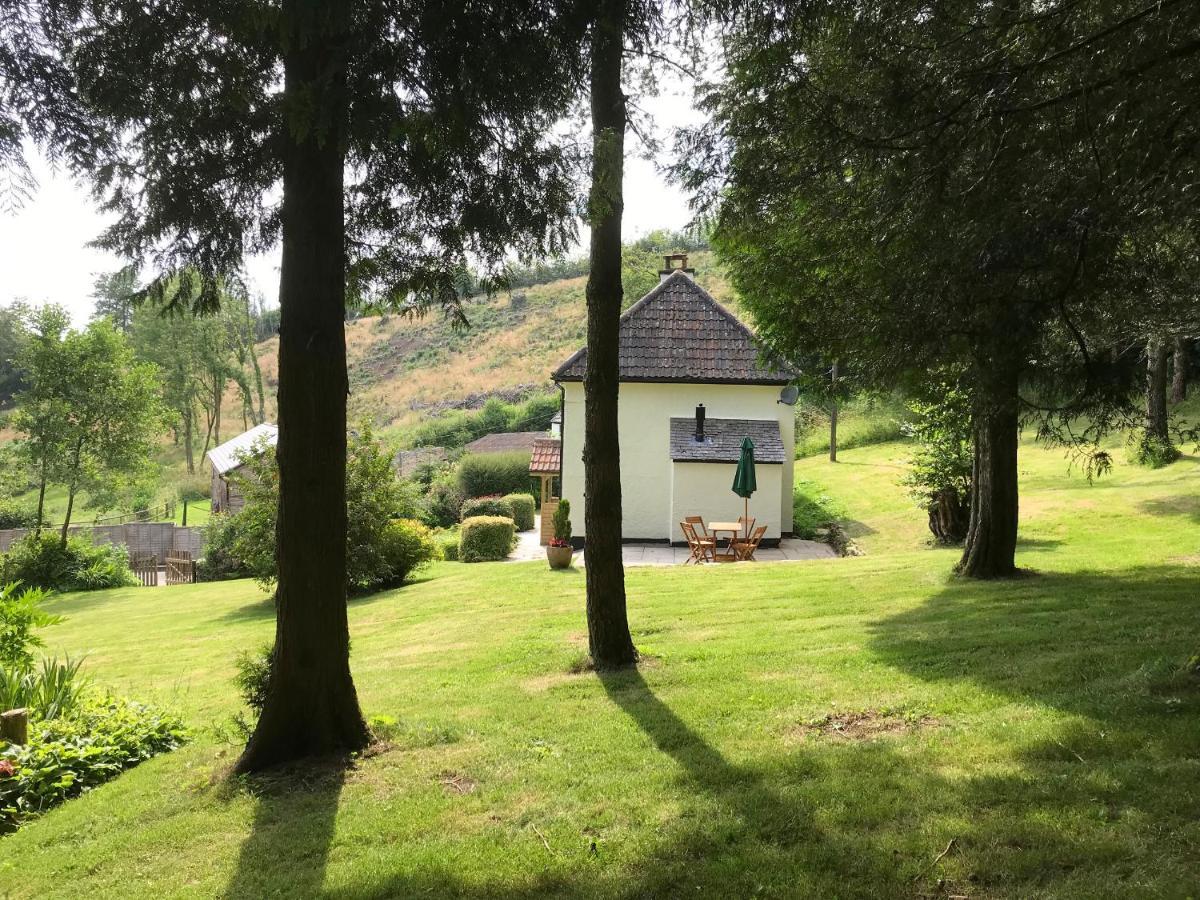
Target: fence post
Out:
[14,726]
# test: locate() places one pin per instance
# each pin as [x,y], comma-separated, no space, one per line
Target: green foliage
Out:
[193,488]
[405,546]
[488,506]
[1150,450]
[245,541]
[942,460]
[447,542]
[863,420]
[813,509]
[562,522]
[42,560]
[485,474]
[14,333]
[442,505]
[16,514]
[254,675]
[48,691]
[524,509]
[75,752]
[20,613]
[486,538]
[221,560]
[459,427]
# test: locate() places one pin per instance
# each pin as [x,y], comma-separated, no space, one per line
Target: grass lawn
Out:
[853,727]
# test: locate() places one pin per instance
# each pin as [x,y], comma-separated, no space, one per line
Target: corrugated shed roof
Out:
[678,332]
[547,457]
[723,440]
[504,442]
[228,456]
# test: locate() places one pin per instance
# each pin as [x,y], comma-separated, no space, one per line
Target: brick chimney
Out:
[672,263]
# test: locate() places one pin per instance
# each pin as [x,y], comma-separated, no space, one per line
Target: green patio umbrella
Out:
[744,482]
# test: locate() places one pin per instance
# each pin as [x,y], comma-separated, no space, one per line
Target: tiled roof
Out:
[723,440]
[547,457]
[228,456]
[678,332]
[504,442]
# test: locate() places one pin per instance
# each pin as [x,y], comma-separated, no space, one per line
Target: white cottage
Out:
[692,387]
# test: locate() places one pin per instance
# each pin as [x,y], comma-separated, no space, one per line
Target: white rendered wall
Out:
[645,413]
[703,489]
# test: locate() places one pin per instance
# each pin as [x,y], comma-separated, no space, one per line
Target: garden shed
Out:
[229,457]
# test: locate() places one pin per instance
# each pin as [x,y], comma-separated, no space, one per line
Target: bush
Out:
[193,489]
[40,560]
[374,496]
[562,523]
[71,754]
[16,515]
[940,475]
[524,509]
[220,561]
[484,474]
[488,506]
[486,538]
[254,675]
[20,614]
[1151,451]
[407,545]
[448,543]
[443,504]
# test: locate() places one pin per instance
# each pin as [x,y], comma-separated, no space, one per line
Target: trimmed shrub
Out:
[40,560]
[486,538]
[562,524]
[448,542]
[524,509]
[485,474]
[68,755]
[488,506]
[406,545]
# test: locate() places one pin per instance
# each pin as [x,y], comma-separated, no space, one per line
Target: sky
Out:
[44,252]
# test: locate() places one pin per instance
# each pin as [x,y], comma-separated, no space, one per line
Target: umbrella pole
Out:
[746,517]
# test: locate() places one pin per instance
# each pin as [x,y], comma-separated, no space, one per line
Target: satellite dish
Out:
[789,395]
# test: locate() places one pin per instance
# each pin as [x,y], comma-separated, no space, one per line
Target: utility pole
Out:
[833,412]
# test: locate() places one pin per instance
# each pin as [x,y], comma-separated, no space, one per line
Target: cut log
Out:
[14,726]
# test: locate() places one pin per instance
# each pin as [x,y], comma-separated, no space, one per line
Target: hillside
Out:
[404,370]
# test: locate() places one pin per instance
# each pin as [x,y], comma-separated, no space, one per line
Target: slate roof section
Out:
[723,441]
[505,442]
[679,333]
[547,457]
[228,456]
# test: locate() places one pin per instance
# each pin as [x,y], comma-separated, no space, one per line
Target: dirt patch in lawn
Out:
[865,725]
[457,782]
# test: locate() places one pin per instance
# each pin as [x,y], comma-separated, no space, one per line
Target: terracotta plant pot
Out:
[559,557]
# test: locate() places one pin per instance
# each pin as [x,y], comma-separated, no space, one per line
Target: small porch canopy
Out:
[545,463]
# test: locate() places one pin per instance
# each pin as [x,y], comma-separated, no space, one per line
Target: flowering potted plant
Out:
[559,550]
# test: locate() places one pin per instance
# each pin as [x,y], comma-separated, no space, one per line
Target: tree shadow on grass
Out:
[1182,505]
[289,841]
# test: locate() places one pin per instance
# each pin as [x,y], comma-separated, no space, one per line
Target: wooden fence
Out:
[181,568]
[145,567]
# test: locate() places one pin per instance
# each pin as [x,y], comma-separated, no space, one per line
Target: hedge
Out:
[488,506]
[524,508]
[485,474]
[486,538]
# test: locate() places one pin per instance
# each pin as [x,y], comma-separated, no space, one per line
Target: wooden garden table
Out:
[717,529]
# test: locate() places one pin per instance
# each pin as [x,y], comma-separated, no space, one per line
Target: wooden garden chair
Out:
[744,550]
[747,525]
[703,549]
[697,522]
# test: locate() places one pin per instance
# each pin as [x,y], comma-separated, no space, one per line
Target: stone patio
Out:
[789,550]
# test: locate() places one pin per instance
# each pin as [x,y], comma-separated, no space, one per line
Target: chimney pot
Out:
[700,424]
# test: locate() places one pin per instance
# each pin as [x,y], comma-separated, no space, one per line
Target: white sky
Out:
[44,254]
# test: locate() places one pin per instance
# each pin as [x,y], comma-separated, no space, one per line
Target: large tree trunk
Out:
[608,625]
[1179,378]
[991,545]
[1156,389]
[311,707]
